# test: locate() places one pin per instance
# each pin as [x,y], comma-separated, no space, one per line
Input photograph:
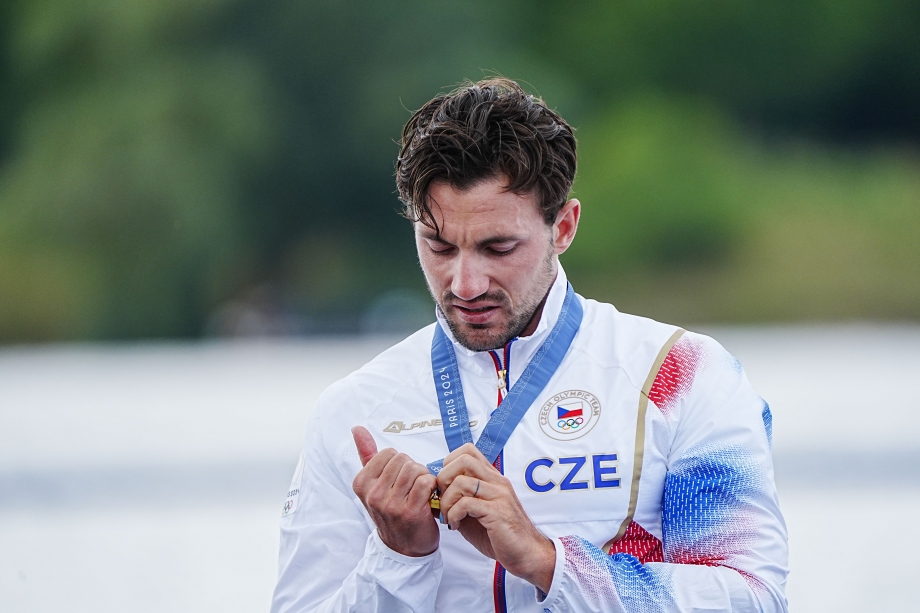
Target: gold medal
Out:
[435,503]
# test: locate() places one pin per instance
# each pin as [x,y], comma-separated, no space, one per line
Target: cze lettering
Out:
[571,478]
[567,483]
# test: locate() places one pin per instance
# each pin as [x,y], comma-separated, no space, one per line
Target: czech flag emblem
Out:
[568,411]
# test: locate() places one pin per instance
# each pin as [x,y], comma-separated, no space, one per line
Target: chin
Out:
[479,338]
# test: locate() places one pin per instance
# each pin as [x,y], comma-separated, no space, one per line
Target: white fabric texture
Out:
[706,533]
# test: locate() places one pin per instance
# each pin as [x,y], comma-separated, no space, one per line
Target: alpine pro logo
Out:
[428,425]
[569,415]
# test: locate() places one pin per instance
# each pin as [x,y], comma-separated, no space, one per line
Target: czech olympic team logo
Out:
[569,414]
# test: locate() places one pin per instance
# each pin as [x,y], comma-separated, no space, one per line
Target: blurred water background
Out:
[198,233]
[151,477]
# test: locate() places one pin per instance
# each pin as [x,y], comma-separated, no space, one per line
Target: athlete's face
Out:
[494,260]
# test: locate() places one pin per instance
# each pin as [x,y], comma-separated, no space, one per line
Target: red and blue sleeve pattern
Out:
[723,538]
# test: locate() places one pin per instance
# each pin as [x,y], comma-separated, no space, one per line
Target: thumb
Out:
[367,447]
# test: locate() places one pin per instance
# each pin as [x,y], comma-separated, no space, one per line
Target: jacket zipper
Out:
[502,371]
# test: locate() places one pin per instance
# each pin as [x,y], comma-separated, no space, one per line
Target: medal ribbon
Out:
[454,415]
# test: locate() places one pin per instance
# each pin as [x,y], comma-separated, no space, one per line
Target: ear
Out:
[565,225]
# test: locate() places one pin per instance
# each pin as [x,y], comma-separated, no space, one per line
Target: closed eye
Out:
[501,248]
[439,247]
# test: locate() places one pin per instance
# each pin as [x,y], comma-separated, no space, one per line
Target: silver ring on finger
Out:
[477,487]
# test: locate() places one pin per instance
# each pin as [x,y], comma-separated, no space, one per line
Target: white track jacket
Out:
[646,459]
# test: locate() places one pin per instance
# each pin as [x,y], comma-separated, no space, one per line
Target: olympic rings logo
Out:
[572,423]
[287,506]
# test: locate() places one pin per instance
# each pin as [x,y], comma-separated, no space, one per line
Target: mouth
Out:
[477,315]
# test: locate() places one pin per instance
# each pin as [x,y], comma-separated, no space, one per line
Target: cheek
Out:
[433,269]
[526,265]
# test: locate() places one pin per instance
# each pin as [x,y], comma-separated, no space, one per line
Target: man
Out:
[619,464]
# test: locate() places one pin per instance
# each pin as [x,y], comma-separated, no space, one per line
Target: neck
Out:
[531,326]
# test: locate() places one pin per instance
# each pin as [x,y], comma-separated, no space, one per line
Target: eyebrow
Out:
[483,243]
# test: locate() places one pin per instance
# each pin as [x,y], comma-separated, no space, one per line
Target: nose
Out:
[470,279]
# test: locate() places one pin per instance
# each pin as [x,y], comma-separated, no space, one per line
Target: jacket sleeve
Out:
[723,537]
[330,559]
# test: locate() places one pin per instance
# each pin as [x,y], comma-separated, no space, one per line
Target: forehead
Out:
[485,207]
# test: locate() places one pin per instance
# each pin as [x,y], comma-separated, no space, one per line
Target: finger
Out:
[390,472]
[466,487]
[367,475]
[467,449]
[378,463]
[422,489]
[467,465]
[405,479]
[466,507]
[367,446]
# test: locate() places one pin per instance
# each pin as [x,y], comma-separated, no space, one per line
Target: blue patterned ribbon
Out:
[454,414]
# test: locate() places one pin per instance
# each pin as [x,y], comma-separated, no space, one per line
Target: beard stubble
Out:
[476,337]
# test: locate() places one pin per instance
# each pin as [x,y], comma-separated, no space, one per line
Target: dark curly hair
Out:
[480,131]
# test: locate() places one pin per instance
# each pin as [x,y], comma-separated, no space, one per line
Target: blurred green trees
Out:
[161,160]
[687,216]
[120,188]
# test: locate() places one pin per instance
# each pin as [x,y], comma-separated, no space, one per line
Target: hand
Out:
[395,491]
[492,518]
